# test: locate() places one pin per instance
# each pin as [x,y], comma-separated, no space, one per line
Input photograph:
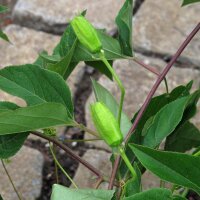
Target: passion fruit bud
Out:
[86,34]
[106,124]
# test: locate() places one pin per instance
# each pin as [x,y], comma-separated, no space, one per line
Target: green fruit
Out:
[86,34]
[106,124]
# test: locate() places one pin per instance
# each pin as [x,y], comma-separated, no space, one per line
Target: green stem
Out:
[61,168]
[11,181]
[173,188]
[128,163]
[197,154]
[84,128]
[83,140]
[55,165]
[116,78]
[185,192]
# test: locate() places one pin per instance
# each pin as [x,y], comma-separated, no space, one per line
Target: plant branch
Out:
[60,166]
[84,128]
[119,83]
[69,152]
[149,68]
[152,92]
[11,181]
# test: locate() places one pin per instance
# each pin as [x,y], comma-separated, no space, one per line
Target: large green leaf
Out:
[186,2]
[35,85]
[153,194]
[63,193]
[177,168]
[103,95]
[34,117]
[10,144]
[1,197]
[164,122]
[184,138]
[3,9]
[124,23]
[4,36]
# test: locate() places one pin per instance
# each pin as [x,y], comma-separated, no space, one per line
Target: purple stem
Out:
[150,95]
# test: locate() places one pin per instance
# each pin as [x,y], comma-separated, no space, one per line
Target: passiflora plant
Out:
[135,142]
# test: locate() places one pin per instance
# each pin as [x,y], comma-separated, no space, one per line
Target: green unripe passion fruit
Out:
[86,34]
[106,124]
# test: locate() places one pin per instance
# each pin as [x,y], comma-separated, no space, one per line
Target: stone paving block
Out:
[26,171]
[161,26]
[53,16]
[138,82]
[99,159]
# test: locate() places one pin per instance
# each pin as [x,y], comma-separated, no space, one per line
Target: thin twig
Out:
[151,93]
[11,181]
[55,165]
[98,183]
[60,166]
[69,152]
[149,68]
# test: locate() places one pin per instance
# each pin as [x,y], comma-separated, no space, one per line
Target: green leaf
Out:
[34,117]
[177,168]
[153,194]
[133,186]
[63,193]
[103,95]
[10,144]
[67,41]
[186,2]
[3,9]
[4,36]
[184,138]
[164,122]
[62,66]
[124,23]
[35,85]
[1,197]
